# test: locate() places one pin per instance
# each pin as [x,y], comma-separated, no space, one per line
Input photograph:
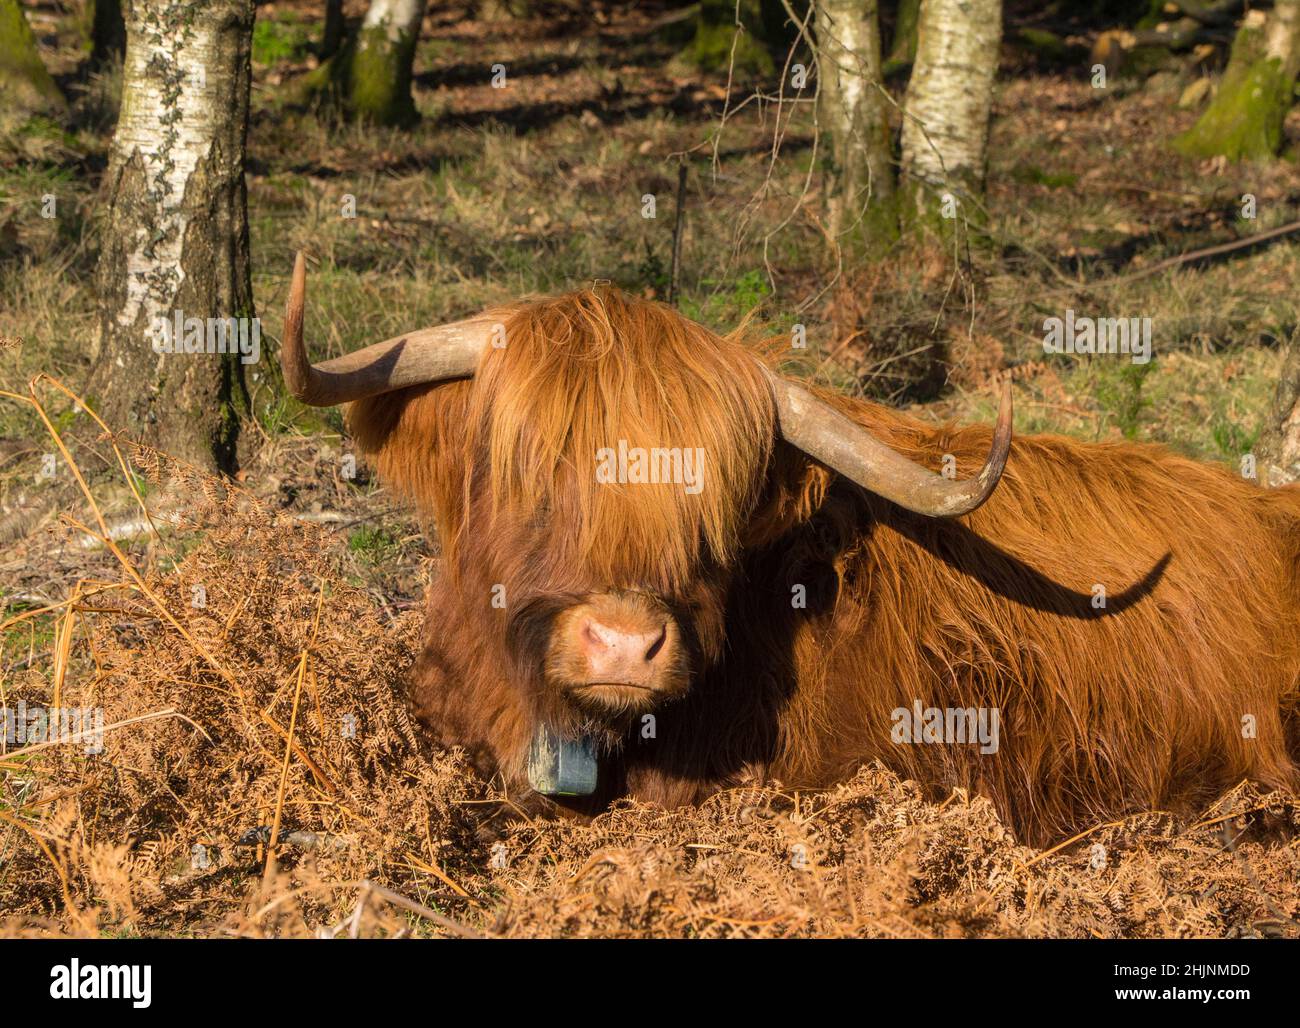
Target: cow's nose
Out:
[618,655]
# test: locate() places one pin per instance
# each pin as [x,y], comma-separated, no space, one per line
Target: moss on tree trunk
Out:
[380,88]
[370,76]
[733,36]
[25,84]
[1244,121]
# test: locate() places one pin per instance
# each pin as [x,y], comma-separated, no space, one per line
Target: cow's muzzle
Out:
[617,650]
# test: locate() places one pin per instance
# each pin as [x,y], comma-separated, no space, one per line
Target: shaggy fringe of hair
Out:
[580,373]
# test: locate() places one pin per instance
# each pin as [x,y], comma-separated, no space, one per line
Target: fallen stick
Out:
[1196,255]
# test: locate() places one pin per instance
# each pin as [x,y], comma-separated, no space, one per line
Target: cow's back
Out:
[1128,614]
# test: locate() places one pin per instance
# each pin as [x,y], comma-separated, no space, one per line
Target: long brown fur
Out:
[1135,705]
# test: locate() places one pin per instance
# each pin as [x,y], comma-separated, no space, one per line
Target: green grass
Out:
[373,546]
[1232,438]
[1119,391]
[284,38]
[35,634]
[1037,176]
[729,300]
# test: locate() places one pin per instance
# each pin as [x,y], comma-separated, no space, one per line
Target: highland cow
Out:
[1125,618]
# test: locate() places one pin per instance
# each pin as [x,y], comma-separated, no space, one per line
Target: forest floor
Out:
[538,187]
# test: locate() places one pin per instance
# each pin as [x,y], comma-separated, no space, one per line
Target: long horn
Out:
[826,435]
[429,355]
[843,446]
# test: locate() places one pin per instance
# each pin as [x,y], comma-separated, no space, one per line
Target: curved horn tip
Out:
[1001,445]
[293,307]
[294,365]
[1002,428]
[299,284]
[984,484]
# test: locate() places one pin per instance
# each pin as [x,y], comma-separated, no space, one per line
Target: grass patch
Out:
[281,38]
[374,546]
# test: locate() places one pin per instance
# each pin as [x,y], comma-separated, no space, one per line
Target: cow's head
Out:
[597,478]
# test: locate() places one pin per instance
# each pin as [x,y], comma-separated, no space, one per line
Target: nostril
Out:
[607,647]
[657,645]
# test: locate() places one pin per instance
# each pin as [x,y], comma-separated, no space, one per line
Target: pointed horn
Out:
[849,449]
[428,355]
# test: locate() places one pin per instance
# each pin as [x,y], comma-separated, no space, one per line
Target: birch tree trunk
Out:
[25,85]
[175,233]
[379,87]
[946,113]
[332,35]
[857,172]
[1244,121]
[370,75]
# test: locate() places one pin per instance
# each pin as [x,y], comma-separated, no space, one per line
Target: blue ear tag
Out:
[558,767]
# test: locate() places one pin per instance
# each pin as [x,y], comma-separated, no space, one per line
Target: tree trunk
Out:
[370,76]
[175,234]
[107,31]
[332,37]
[858,174]
[902,51]
[731,35]
[379,87]
[1244,121]
[25,85]
[946,114]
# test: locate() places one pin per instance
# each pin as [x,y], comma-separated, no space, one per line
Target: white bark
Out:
[1282,35]
[169,117]
[845,41]
[174,228]
[853,120]
[398,18]
[946,114]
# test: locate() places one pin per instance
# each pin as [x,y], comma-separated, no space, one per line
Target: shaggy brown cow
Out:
[1125,619]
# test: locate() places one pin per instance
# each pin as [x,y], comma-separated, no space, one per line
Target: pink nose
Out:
[615,655]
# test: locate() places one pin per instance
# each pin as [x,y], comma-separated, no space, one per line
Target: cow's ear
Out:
[794,491]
